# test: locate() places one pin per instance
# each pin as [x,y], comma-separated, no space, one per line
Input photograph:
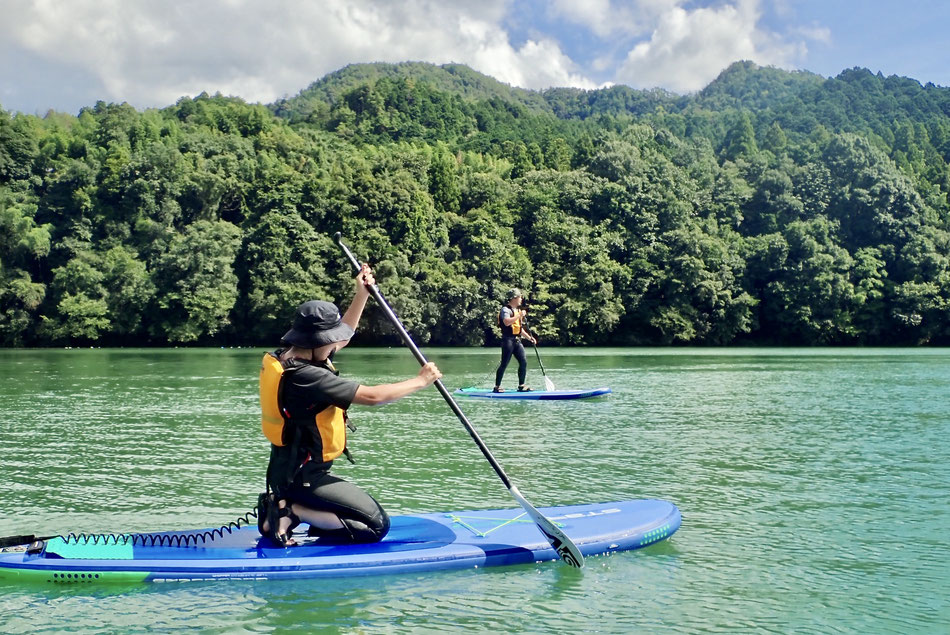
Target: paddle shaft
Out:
[547,382]
[563,545]
[407,340]
[535,344]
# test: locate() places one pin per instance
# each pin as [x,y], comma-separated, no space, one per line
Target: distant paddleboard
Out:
[415,543]
[533,394]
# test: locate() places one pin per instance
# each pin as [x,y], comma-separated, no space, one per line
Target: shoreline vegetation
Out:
[772,208]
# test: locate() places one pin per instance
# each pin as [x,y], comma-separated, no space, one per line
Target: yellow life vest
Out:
[330,422]
[515,326]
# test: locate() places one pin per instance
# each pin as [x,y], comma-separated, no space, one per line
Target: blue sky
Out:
[66,54]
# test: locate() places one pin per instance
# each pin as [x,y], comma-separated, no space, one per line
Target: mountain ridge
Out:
[743,85]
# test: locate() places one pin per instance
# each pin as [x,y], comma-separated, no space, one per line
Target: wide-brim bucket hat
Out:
[317,323]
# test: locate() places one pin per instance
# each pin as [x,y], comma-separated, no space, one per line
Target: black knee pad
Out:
[354,531]
[363,532]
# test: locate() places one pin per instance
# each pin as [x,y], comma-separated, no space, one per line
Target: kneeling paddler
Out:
[303,414]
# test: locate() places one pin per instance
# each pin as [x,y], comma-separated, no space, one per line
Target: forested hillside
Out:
[770,208]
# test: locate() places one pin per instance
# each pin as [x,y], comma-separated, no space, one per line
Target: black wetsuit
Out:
[296,471]
[510,345]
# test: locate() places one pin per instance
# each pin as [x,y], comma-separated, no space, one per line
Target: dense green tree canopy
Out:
[771,207]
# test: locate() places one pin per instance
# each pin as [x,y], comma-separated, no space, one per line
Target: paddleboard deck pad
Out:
[533,394]
[415,543]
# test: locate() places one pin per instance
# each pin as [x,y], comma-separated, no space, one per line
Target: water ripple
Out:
[812,485]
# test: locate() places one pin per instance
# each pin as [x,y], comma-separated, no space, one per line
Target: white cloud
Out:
[537,64]
[597,15]
[689,48]
[151,53]
[606,18]
[817,33]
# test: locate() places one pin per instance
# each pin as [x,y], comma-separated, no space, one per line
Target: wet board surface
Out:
[483,393]
[415,543]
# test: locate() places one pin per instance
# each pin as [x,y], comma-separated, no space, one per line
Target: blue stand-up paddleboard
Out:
[415,543]
[533,394]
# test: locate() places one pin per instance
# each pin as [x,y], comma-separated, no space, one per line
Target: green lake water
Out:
[813,485]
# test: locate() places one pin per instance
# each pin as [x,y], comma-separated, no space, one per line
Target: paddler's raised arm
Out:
[364,280]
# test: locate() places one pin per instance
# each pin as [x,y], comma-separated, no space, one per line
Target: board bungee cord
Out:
[154,539]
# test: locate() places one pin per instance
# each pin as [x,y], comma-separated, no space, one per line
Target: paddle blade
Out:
[563,545]
[548,384]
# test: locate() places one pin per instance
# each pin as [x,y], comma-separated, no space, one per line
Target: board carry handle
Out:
[563,545]
[24,539]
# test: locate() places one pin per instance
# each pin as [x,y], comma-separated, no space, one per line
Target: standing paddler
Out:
[510,319]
